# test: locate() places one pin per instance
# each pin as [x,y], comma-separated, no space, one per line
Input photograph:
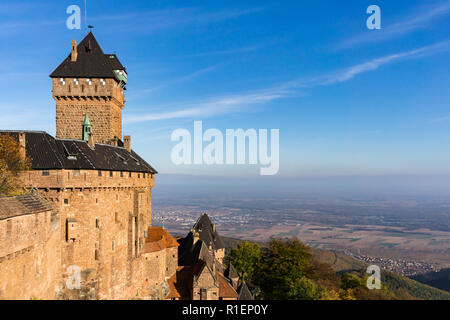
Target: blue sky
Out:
[347,100]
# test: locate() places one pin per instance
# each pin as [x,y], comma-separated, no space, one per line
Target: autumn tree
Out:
[12,163]
[284,267]
[245,258]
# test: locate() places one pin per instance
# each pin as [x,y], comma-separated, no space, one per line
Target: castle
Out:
[85,231]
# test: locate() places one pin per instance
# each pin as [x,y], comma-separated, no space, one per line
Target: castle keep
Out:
[85,231]
[89,82]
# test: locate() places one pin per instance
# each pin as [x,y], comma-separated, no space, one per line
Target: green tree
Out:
[305,289]
[245,258]
[283,264]
[12,163]
[351,281]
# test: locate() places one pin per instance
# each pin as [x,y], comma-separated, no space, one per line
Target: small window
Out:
[46,173]
[97,225]
[96,255]
[130,174]
[66,201]
[139,175]
[99,173]
[116,217]
[121,174]
[111,174]
[76,173]
[8,227]
[112,246]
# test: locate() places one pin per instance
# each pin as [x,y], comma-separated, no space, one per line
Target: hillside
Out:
[439,279]
[400,286]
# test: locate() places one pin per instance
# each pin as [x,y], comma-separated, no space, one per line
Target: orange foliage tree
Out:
[12,163]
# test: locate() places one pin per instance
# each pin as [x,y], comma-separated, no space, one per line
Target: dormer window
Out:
[137,161]
[121,158]
[69,155]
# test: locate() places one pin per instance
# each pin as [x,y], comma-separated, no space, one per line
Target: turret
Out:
[87,128]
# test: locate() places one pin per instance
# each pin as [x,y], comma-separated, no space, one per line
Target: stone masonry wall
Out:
[30,256]
[103,220]
[103,102]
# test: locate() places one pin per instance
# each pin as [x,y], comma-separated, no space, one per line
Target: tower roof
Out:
[86,122]
[245,293]
[208,233]
[91,62]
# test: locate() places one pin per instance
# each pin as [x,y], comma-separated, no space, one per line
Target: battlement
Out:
[85,89]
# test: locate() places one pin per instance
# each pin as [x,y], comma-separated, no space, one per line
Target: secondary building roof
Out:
[158,239]
[31,203]
[208,233]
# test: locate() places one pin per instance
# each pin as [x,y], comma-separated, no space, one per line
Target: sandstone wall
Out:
[103,102]
[103,223]
[30,256]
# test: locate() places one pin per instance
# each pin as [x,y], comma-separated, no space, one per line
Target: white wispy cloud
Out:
[239,102]
[183,78]
[422,18]
[372,65]
[224,52]
[154,20]
[149,20]
[440,119]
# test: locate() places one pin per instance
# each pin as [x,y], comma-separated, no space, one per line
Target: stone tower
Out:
[89,82]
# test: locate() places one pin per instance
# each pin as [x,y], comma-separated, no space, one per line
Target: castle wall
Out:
[30,256]
[103,223]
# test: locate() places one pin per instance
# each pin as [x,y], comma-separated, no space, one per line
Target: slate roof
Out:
[48,153]
[114,61]
[91,62]
[207,234]
[31,203]
[245,293]
[231,272]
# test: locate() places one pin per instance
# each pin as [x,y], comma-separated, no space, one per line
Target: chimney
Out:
[91,141]
[127,143]
[74,52]
[22,144]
